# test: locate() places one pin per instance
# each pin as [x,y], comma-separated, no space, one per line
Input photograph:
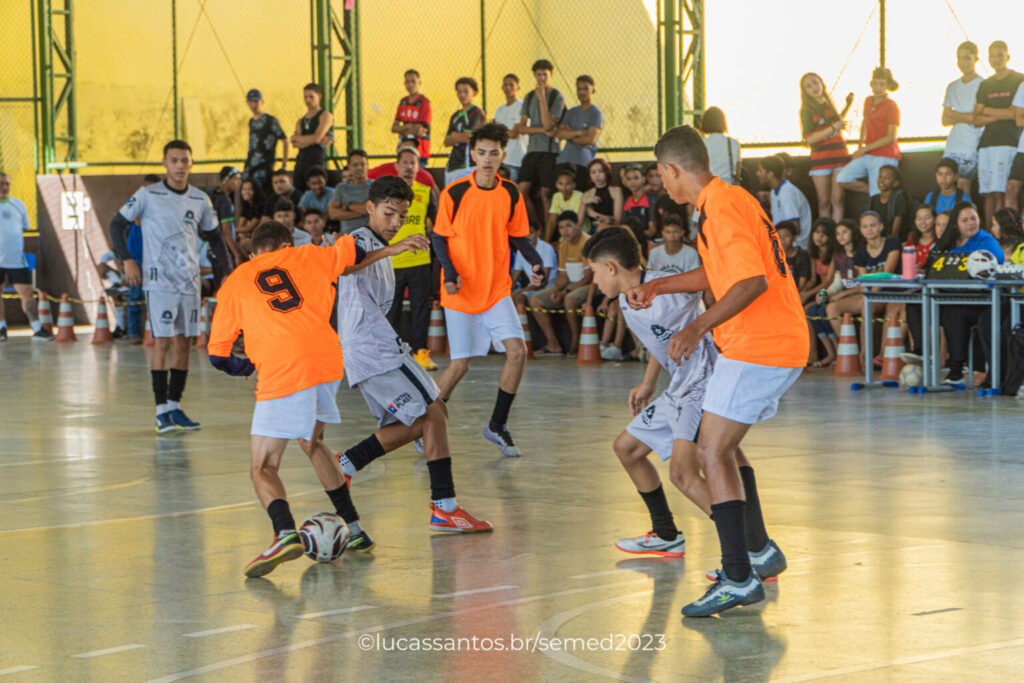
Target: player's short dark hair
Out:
[672,219]
[534,226]
[177,144]
[313,87]
[564,170]
[568,216]
[466,80]
[616,243]
[359,153]
[148,178]
[792,227]
[412,72]
[585,78]
[284,205]
[773,165]
[316,170]
[490,131]
[683,145]
[270,235]
[312,211]
[950,164]
[280,172]
[969,46]
[629,168]
[407,150]
[512,76]
[542,65]
[390,187]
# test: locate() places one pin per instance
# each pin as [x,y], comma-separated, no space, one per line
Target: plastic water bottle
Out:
[909,263]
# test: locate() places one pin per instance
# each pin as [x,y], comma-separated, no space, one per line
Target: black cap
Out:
[254,94]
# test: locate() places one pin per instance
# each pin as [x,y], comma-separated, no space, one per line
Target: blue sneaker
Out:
[182,421]
[165,424]
[503,440]
[768,563]
[361,542]
[725,594]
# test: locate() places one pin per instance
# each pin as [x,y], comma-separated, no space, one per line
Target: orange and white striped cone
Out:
[45,315]
[437,335]
[848,354]
[590,344]
[147,336]
[521,310]
[891,361]
[101,333]
[65,321]
[204,325]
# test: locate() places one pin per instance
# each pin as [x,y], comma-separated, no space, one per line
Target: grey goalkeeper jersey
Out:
[171,222]
[370,344]
[655,326]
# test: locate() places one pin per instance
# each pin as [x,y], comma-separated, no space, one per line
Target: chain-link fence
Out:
[17,111]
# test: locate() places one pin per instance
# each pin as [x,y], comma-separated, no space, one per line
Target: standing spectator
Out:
[223,199]
[949,192]
[264,132]
[390,168]
[723,151]
[893,204]
[508,115]
[543,108]
[569,290]
[414,115]
[673,255]
[13,266]
[460,127]
[580,128]
[413,270]
[998,144]
[348,204]
[567,198]
[822,127]
[283,189]
[639,204]
[958,112]
[788,202]
[318,195]
[878,146]
[312,135]
[1016,179]
[602,202]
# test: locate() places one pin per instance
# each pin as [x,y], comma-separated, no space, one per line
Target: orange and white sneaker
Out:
[458,521]
[422,356]
[286,546]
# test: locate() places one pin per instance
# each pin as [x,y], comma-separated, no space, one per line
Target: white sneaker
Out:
[653,544]
[611,352]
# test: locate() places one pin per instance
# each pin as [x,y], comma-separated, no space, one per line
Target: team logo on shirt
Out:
[398,403]
[780,256]
[661,333]
[648,415]
[190,217]
[167,316]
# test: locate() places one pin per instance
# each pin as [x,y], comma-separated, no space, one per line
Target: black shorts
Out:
[538,168]
[1017,168]
[16,276]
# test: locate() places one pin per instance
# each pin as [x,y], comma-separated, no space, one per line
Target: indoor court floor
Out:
[122,552]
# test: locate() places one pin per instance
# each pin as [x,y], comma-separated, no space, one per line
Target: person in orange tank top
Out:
[758,324]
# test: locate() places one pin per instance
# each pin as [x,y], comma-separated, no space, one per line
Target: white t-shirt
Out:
[961,98]
[508,115]
[300,237]
[684,260]
[1018,101]
[547,256]
[723,153]
[790,204]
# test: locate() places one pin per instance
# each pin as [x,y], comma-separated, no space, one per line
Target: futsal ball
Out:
[982,264]
[324,536]
[910,376]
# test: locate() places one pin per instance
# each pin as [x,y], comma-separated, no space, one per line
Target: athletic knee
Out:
[515,351]
[628,449]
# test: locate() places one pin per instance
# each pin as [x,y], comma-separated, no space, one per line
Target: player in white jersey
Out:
[174,216]
[13,266]
[398,391]
[670,424]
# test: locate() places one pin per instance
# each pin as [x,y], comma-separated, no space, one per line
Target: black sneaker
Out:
[503,440]
[43,335]
[3,334]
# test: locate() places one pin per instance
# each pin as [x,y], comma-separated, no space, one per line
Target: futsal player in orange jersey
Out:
[282,299]
[761,330]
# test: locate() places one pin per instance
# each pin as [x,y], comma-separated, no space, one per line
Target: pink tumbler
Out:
[909,263]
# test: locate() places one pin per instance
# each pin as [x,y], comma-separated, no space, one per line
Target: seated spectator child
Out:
[313,223]
[520,267]
[923,236]
[570,289]
[318,195]
[822,251]
[284,213]
[653,178]
[665,206]
[205,271]
[566,198]
[249,215]
[674,255]
[638,227]
[281,181]
[602,203]
[1002,220]
[948,194]
[639,204]
[796,258]
[892,204]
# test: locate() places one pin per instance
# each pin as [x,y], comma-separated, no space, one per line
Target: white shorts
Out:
[471,334]
[867,167]
[295,416]
[747,392]
[399,395]
[967,164]
[664,422]
[171,314]
[994,168]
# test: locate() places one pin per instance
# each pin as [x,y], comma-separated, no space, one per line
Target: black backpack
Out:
[1013,376]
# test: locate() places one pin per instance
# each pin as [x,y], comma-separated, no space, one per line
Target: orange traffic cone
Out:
[521,310]
[437,337]
[204,326]
[101,333]
[590,344]
[65,321]
[147,337]
[892,363]
[45,316]
[848,353]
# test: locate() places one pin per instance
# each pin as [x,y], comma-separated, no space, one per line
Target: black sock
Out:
[662,522]
[757,535]
[441,483]
[176,387]
[365,452]
[343,505]
[159,386]
[281,515]
[728,517]
[499,418]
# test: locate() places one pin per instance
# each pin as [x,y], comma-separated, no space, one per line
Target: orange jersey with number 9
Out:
[282,301]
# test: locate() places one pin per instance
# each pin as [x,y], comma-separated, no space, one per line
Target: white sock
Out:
[173,405]
[354,529]
[36,325]
[162,408]
[346,465]
[446,504]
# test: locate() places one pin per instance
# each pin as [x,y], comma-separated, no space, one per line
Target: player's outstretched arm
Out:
[690,281]
[739,296]
[412,243]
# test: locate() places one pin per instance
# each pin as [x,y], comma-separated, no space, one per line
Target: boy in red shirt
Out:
[413,115]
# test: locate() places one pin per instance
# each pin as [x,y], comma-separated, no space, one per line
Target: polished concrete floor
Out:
[122,552]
